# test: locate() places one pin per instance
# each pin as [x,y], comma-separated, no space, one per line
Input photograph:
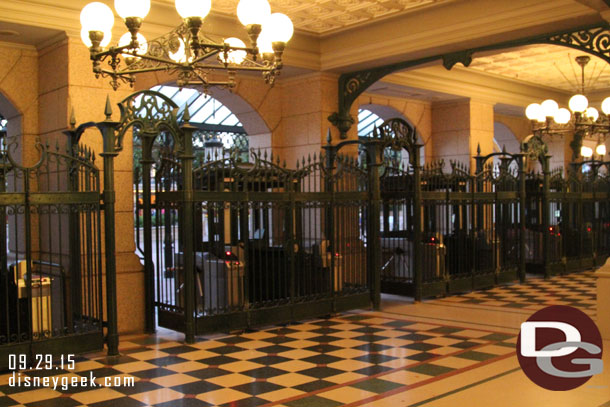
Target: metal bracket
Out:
[594,40]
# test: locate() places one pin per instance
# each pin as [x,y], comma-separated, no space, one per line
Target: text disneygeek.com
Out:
[66,382]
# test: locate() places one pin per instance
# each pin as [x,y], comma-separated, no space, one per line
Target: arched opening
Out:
[220,133]
[371,116]
[504,138]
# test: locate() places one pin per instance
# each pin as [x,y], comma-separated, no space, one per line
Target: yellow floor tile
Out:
[399,352]
[134,367]
[249,345]
[301,335]
[207,345]
[347,395]
[185,367]
[96,396]
[346,326]
[349,365]
[470,333]
[347,334]
[496,350]
[158,396]
[421,327]
[348,343]
[344,377]
[234,379]
[398,363]
[169,344]
[291,379]
[445,350]
[294,365]
[148,355]
[347,353]
[126,344]
[395,342]
[404,377]
[241,366]
[222,396]
[33,396]
[297,354]
[247,354]
[174,380]
[454,362]
[281,394]
[196,355]
[261,335]
[442,341]
[5,378]
[299,344]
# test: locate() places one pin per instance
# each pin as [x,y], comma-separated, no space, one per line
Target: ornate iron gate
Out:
[51,255]
[229,244]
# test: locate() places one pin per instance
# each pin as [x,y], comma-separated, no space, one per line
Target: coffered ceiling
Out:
[547,65]
[325,16]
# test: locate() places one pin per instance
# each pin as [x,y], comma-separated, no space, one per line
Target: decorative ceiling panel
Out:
[548,65]
[323,16]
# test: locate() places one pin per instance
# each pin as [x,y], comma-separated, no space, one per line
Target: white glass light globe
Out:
[601,150]
[562,116]
[549,107]
[126,40]
[578,103]
[253,11]
[132,8]
[84,35]
[236,57]
[586,152]
[541,117]
[193,8]
[180,54]
[265,46]
[606,105]
[97,16]
[278,28]
[592,113]
[533,111]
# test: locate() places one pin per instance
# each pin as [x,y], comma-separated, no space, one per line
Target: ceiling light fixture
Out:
[185,51]
[583,120]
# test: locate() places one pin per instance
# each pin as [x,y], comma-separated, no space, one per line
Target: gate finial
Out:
[186,116]
[108,110]
[72,119]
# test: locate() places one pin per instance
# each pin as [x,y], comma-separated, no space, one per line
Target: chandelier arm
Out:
[206,56]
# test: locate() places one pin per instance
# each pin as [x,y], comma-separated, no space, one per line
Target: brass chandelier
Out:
[185,51]
[583,121]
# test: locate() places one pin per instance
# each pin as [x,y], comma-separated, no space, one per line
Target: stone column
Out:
[307,101]
[459,127]
[67,82]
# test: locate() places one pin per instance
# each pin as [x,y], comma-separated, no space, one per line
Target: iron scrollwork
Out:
[594,41]
[152,113]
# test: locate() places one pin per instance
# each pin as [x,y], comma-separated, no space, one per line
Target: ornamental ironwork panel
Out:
[51,254]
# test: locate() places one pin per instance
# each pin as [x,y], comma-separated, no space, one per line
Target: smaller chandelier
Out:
[185,51]
[583,120]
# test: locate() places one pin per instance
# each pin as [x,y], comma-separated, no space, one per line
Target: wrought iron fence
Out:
[270,244]
[51,252]
[230,244]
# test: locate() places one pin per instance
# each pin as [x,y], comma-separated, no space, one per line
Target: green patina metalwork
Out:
[594,40]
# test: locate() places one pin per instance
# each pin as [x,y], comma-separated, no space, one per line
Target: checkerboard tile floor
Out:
[319,363]
[576,290]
